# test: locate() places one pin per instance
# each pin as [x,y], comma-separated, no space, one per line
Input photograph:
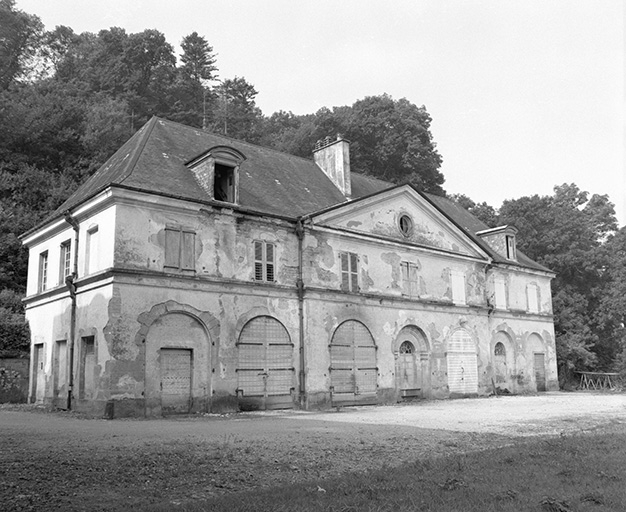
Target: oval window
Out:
[406,225]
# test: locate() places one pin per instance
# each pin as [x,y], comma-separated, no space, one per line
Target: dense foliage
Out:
[68,101]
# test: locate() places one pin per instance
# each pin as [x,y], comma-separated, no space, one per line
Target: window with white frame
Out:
[65,261]
[532,294]
[264,261]
[91,254]
[499,288]
[180,248]
[457,282]
[349,271]
[42,283]
[409,279]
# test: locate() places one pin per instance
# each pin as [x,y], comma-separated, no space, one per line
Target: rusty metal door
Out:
[175,381]
[462,364]
[353,371]
[540,371]
[265,373]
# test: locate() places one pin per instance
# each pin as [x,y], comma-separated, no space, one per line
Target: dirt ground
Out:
[62,461]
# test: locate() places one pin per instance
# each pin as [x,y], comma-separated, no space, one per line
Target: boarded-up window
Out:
[500,292]
[42,283]
[533,298]
[409,279]
[353,371]
[264,262]
[349,272]
[457,282]
[180,248]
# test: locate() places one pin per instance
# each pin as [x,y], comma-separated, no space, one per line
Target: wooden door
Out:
[175,381]
[462,364]
[540,371]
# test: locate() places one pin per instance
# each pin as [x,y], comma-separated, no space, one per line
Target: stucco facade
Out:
[368,293]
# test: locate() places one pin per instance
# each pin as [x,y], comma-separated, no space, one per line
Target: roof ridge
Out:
[138,150]
[238,141]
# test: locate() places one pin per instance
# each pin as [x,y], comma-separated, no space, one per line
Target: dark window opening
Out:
[407,348]
[224,184]
[406,225]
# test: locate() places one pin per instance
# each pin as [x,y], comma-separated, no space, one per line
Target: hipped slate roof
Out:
[270,182]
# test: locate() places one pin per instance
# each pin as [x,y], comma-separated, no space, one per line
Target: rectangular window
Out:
[87,381]
[180,248]
[510,247]
[91,254]
[43,272]
[499,292]
[532,294]
[224,183]
[349,272]
[409,279]
[457,279]
[65,261]
[264,263]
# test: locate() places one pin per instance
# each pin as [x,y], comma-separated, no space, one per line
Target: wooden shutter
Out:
[188,250]
[172,248]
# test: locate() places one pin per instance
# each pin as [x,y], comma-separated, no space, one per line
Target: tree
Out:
[482,211]
[237,114]
[20,35]
[391,140]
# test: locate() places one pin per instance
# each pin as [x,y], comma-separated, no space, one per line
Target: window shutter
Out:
[258,261]
[269,257]
[413,280]
[172,247]
[404,266]
[188,250]
[354,272]
[345,272]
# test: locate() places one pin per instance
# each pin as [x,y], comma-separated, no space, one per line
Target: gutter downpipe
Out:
[300,287]
[71,286]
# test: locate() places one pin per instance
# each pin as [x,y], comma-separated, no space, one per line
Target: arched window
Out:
[407,348]
[499,350]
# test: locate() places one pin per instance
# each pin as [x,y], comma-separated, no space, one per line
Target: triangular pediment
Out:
[404,215]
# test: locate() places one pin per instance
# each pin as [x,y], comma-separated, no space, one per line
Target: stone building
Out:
[194,272]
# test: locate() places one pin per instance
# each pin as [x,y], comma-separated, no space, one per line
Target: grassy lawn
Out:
[581,472]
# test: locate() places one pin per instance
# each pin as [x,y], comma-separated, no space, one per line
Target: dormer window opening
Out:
[510,247]
[224,183]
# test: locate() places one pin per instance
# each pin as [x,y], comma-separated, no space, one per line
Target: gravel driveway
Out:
[64,461]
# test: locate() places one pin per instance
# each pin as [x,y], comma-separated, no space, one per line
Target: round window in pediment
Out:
[405,223]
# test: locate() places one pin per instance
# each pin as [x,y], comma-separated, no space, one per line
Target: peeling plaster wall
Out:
[516,283]
[325,312]
[379,266]
[224,242]
[521,349]
[49,321]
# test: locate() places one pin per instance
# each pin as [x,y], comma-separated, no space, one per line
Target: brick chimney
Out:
[333,157]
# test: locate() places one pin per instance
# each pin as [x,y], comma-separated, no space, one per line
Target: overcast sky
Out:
[524,94]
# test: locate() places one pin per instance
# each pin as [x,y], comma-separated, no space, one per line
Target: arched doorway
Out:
[353,371]
[265,371]
[412,364]
[462,364]
[177,345]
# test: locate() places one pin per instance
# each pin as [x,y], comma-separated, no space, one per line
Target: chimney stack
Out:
[333,157]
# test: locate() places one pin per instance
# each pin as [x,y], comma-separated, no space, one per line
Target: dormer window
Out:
[502,240]
[510,247]
[217,172]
